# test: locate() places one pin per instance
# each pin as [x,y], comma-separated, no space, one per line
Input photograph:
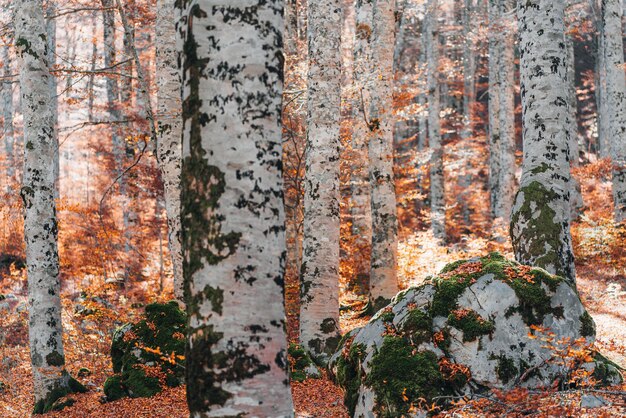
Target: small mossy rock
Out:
[57,398]
[148,352]
[471,328]
[301,366]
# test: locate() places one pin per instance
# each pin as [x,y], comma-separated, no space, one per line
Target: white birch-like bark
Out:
[576,198]
[233,223]
[360,198]
[7,117]
[383,281]
[615,100]
[540,225]
[437,195]
[494,104]
[469,70]
[506,109]
[169,132]
[319,302]
[51,33]
[40,222]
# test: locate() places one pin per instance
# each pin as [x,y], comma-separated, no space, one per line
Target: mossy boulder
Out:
[480,324]
[148,354]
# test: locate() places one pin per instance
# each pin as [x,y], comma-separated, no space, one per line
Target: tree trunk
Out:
[437,196]
[494,104]
[169,132]
[51,32]
[360,198]
[506,109]
[540,225]
[92,75]
[319,310]
[233,224]
[615,100]
[576,198]
[7,117]
[51,380]
[383,281]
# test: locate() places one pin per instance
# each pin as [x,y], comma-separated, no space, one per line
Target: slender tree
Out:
[540,226]
[7,115]
[506,110]
[576,199]
[615,100]
[494,104]
[319,301]
[383,282]
[169,131]
[233,232]
[360,197]
[437,196]
[51,380]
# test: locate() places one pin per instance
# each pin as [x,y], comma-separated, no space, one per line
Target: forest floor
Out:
[88,339]
[89,322]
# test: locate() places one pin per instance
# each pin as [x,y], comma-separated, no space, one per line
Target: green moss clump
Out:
[350,375]
[299,361]
[113,388]
[387,316]
[419,325]
[606,371]
[587,326]
[505,369]
[447,291]
[159,336]
[400,377]
[472,325]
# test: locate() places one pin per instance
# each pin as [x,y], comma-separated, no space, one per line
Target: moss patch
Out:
[154,341]
[541,243]
[350,375]
[299,361]
[56,399]
[471,323]
[587,326]
[400,376]
[505,369]
[418,325]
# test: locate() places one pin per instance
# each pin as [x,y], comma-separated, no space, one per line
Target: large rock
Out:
[149,354]
[480,324]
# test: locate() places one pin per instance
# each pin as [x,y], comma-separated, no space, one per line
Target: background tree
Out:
[51,380]
[169,131]
[437,194]
[319,310]
[540,225]
[613,59]
[383,282]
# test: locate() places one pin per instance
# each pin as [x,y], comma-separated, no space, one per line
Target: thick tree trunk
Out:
[615,100]
[540,225]
[494,104]
[319,310]
[506,109]
[169,132]
[383,281]
[437,195]
[51,380]
[233,224]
